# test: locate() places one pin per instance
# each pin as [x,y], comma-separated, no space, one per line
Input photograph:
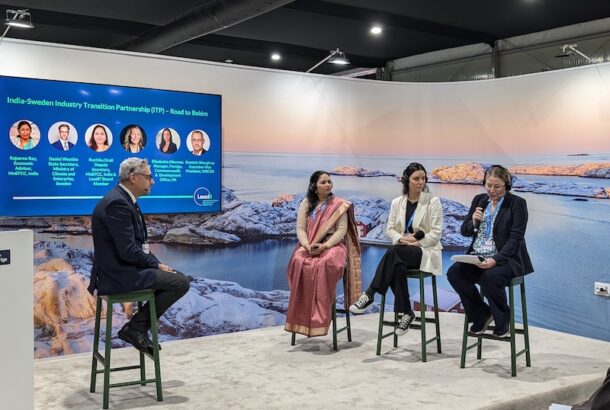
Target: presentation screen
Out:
[63,143]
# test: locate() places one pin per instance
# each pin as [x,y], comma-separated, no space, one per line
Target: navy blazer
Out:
[119,263]
[57,144]
[508,233]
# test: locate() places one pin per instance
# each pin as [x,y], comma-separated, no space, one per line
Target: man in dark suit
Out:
[496,222]
[63,143]
[197,142]
[122,261]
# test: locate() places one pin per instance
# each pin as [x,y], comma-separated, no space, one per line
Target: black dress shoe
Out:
[137,339]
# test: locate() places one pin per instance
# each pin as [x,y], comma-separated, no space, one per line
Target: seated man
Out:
[122,261]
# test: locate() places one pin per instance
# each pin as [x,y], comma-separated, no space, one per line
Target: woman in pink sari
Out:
[328,247]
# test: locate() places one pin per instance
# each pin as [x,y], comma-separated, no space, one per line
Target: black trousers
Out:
[392,273]
[169,287]
[493,282]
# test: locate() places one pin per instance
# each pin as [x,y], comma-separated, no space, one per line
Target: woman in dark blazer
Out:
[496,222]
[167,145]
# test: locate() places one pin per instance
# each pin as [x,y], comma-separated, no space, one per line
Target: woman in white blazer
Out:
[414,225]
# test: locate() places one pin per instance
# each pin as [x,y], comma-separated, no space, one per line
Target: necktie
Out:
[65,145]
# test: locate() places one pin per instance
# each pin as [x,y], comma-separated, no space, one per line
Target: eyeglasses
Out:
[147,176]
[494,187]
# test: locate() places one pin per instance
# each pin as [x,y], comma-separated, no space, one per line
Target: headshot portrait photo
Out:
[167,140]
[198,142]
[62,136]
[24,134]
[98,137]
[133,138]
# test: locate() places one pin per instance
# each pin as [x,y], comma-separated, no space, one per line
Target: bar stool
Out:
[519,280]
[141,296]
[421,275]
[334,312]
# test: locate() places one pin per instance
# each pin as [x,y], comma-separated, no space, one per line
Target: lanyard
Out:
[410,221]
[490,218]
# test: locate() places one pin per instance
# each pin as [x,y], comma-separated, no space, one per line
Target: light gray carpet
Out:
[260,370]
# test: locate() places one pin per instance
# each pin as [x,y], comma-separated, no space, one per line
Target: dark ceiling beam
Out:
[395,20]
[202,21]
[266,47]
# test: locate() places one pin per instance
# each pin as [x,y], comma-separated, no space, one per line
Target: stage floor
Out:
[260,370]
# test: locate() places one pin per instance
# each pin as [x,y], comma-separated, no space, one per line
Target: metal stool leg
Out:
[334,319]
[513,347]
[464,343]
[107,350]
[155,341]
[395,326]
[142,364]
[526,333]
[96,342]
[422,316]
[380,330]
[349,326]
[437,323]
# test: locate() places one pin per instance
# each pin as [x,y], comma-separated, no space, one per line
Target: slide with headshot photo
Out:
[90,129]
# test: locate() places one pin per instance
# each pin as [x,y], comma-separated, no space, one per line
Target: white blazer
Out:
[429,219]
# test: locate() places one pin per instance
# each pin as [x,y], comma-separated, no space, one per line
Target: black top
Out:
[411,206]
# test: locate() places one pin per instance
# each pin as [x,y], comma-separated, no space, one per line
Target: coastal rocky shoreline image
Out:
[64,310]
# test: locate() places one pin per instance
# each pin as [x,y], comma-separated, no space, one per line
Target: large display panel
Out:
[62,142]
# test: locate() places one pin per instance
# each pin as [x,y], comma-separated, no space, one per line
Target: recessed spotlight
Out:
[229,61]
[376,30]
[276,57]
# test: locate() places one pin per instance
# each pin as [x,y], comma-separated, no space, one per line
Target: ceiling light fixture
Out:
[335,57]
[276,57]
[568,50]
[376,30]
[18,18]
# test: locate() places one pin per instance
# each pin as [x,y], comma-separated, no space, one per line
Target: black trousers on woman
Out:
[392,273]
[493,282]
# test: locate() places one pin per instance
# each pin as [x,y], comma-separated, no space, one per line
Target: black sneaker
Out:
[361,304]
[480,327]
[501,332]
[405,323]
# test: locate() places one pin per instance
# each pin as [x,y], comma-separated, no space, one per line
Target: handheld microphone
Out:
[483,202]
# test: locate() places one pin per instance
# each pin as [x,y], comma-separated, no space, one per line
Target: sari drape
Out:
[313,279]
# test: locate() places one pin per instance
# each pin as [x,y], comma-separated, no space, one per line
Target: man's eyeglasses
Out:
[147,176]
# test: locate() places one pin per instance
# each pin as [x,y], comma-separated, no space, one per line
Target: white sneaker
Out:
[361,304]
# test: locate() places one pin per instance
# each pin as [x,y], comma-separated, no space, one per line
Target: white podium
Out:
[17,340]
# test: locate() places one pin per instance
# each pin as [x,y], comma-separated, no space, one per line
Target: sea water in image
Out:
[567,239]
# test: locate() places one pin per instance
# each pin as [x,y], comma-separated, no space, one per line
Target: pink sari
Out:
[313,279]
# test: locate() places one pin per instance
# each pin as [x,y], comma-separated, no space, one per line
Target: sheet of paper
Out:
[472,259]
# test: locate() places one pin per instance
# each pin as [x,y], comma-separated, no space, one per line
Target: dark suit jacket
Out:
[119,264]
[57,144]
[172,148]
[508,233]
